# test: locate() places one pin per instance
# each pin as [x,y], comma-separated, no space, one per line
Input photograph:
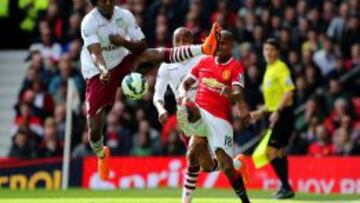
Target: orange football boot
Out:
[210,44]
[103,164]
[243,169]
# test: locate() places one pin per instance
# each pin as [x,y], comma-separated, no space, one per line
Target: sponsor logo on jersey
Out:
[111,47]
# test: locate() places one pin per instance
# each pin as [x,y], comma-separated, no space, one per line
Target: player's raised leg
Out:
[181,53]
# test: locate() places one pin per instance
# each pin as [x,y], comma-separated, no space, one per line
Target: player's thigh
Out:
[219,133]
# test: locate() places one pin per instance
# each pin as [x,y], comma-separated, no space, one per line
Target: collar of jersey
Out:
[103,17]
[224,64]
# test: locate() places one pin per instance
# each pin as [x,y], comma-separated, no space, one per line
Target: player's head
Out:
[271,50]
[106,7]
[182,36]
[226,44]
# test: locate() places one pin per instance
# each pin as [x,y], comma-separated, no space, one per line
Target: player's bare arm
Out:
[95,53]
[237,96]
[133,46]
[163,114]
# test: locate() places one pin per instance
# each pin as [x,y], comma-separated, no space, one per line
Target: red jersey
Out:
[213,77]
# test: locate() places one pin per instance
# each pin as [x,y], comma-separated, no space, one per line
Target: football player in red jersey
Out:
[221,82]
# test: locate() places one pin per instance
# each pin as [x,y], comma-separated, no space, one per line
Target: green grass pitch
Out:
[158,196]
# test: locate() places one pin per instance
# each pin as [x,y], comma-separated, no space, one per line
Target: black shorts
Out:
[283,128]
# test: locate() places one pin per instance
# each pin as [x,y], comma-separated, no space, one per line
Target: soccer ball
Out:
[134,86]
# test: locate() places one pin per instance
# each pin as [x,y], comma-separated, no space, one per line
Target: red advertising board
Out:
[325,175]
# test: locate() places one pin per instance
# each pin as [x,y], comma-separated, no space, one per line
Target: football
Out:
[134,86]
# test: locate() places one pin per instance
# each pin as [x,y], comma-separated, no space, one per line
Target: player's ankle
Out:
[101,154]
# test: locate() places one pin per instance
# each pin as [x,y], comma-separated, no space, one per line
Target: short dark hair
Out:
[273,42]
[94,2]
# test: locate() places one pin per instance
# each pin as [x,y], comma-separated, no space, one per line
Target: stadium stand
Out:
[319,41]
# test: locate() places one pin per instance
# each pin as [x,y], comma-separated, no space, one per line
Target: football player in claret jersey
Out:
[172,74]
[112,41]
[221,82]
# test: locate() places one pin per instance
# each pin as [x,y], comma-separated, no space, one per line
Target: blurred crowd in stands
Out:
[320,41]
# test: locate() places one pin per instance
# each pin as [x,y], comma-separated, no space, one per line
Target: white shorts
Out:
[218,131]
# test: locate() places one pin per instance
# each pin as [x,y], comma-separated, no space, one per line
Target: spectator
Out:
[322,146]
[142,145]
[174,146]
[119,138]
[23,147]
[355,57]
[148,134]
[51,146]
[253,95]
[343,144]
[83,148]
[312,114]
[302,91]
[325,58]
[49,49]
[341,108]
[40,72]
[58,83]
[74,54]
[73,31]
[352,33]
[43,99]
[312,43]
[337,24]
[313,78]
[60,115]
[334,92]
[339,69]
[27,118]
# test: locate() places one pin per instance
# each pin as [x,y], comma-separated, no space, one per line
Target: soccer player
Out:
[112,40]
[221,82]
[278,91]
[172,74]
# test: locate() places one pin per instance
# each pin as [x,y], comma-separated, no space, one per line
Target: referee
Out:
[278,91]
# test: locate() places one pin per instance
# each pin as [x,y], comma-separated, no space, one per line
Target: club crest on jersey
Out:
[120,22]
[225,74]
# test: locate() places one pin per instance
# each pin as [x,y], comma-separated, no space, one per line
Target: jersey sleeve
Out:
[237,76]
[285,79]
[88,32]
[162,81]
[133,29]
[194,73]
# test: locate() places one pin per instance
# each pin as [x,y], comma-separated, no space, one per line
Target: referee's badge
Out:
[225,74]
